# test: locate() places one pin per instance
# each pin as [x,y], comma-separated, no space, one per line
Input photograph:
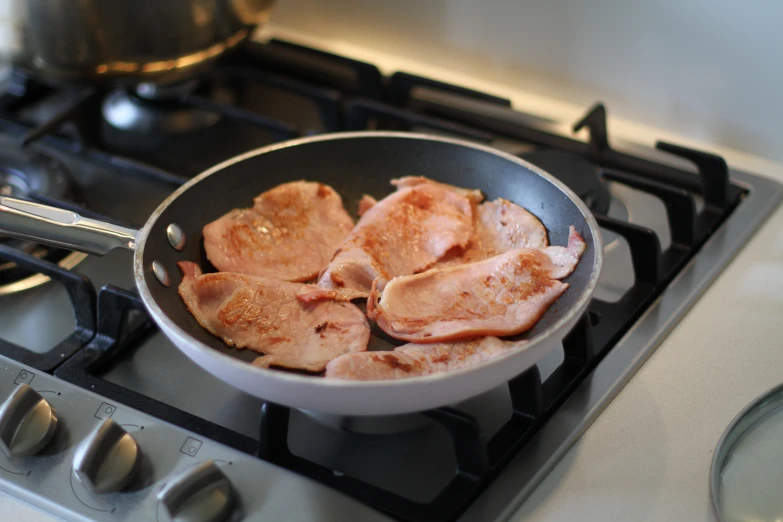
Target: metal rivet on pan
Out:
[160,273]
[176,236]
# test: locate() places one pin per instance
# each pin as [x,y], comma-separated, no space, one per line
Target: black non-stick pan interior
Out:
[355,166]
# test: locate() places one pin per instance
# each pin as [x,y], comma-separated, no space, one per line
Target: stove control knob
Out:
[108,459]
[27,422]
[201,493]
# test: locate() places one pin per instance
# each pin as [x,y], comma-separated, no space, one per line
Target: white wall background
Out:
[708,69]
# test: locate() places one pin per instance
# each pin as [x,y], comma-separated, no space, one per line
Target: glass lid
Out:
[747,467]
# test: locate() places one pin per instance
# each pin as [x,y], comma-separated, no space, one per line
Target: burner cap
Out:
[151,108]
[12,184]
[577,173]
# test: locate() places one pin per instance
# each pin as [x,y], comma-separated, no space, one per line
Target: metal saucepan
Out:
[129,41]
[353,163]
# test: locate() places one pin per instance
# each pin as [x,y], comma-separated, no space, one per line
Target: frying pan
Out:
[354,163]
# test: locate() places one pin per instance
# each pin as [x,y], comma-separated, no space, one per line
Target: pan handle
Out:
[62,228]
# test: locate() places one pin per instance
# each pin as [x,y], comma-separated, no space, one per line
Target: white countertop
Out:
[647,457]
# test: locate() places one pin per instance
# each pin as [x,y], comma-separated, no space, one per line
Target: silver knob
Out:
[108,459]
[201,493]
[27,422]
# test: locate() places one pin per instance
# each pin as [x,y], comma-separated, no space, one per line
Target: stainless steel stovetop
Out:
[341,468]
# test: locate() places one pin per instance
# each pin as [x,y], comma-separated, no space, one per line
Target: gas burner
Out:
[577,173]
[25,173]
[158,109]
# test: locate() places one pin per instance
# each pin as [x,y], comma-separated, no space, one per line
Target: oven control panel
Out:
[83,457]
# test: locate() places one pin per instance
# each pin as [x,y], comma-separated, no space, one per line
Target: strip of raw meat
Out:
[291,233]
[366,203]
[500,226]
[502,295]
[474,195]
[404,233]
[418,359]
[263,314]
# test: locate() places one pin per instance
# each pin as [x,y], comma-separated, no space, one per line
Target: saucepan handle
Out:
[62,228]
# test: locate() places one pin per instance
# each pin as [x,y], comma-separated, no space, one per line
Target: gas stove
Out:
[74,333]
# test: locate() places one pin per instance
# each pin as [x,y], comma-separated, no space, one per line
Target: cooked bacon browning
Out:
[404,233]
[263,314]
[442,269]
[473,195]
[290,233]
[418,359]
[501,226]
[366,203]
[502,295]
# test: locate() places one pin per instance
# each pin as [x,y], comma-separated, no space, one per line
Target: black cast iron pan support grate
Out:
[322,77]
[478,460]
[470,452]
[679,203]
[82,297]
[122,165]
[84,98]
[328,100]
[281,130]
[361,114]
[595,122]
[315,67]
[712,179]
[122,324]
[401,85]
